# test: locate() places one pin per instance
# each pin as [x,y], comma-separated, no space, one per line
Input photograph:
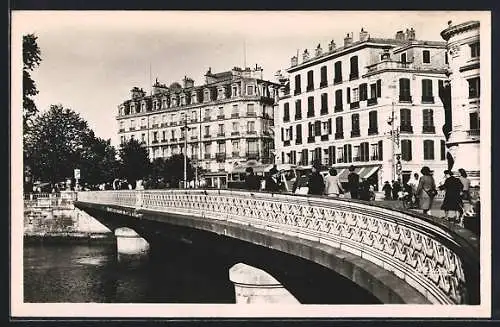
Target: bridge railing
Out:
[438,259]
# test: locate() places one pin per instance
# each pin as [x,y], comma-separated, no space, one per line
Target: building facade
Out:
[221,124]
[463,48]
[372,103]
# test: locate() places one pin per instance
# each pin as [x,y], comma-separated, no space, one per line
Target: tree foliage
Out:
[170,171]
[31,60]
[60,141]
[134,159]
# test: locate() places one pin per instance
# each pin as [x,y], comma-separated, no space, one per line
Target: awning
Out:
[256,168]
[215,174]
[363,172]
[368,171]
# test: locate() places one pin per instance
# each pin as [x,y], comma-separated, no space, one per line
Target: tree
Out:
[60,141]
[174,169]
[31,59]
[134,159]
[98,162]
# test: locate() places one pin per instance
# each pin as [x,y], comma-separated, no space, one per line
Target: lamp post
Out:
[396,163]
[185,129]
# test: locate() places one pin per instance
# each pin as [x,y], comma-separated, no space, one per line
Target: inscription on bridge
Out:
[130,212]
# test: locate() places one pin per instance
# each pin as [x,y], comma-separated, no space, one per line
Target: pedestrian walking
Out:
[452,203]
[316,181]
[272,180]
[466,197]
[413,183]
[252,182]
[387,190]
[333,187]
[426,189]
[364,190]
[353,183]
[301,184]
[396,188]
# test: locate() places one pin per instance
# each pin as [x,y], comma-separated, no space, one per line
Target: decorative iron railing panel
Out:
[432,258]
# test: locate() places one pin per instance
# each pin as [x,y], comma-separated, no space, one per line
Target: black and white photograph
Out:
[325,164]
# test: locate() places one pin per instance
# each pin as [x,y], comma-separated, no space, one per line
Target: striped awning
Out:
[363,172]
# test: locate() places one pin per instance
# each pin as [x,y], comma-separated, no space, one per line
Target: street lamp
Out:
[396,163]
[185,129]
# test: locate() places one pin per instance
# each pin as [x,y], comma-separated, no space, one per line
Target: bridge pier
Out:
[130,245]
[252,285]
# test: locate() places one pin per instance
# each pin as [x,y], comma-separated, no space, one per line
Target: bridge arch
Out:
[428,260]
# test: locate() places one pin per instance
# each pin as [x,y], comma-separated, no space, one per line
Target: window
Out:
[172,133]
[310,107]
[298,134]
[207,114]
[406,150]
[221,112]
[364,149]
[207,130]
[331,155]
[427,91]
[250,109]
[405,116]
[373,91]
[132,124]
[122,126]
[236,126]
[373,123]
[221,147]
[355,125]
[220,93]
[426,57]
[428,150]
[194,132]
[251,126]
[310,80]
[250,90]
[236,146]
[298,109]
[340,154]
[206,96]
[428,121]
[324,78]
[474,87]
[286,112]
[338,100]
[194,116]
[297,84]
[234,91]
[207,149]
[403,57]
[363,92]
[355,95]
[354,68]
[221,128]
[474,50]
[446,57]
[339,128]
[379,88]
[324,103]
[474,121]
[356,154]
[338,72]
[347,153]
[443,150]
[193,97]
[404,90]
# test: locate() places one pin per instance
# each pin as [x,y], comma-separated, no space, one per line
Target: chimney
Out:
[187,82]
[363,35]
[411,34]
[400,36]
[348,40]
[294,61]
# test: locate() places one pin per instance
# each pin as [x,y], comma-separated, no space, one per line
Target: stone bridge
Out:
[397,256]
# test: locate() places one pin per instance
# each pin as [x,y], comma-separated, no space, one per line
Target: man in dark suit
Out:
[353,183]
[252,182]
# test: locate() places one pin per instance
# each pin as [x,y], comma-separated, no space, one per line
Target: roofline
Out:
[452,30]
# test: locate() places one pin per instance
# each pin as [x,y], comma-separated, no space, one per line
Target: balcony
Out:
[355,133]
[253,155]
[372,101]
[358,158]
[383,65]
[235,115]
[310,114]
[207,156]
[297,91]
[309,88]
[427,99]
[372,131]
[339,135]
[286,143]
[221,134]
[338,108]
[144,127]
[311,139]
[323,111]
[251,132]
[220,156]
[405,98]
[121,130]
[353,76]
[337,80]
[251,114]
[235,133]
[406,129]
[324,137]
[474,132]
[298,117]
[194,120]
[163,125]
[298,141]
[429,129]
[374,157]
[221,117]
[181,139]
[194,137]
[354,105]
[340,160]
[207,136]
[163,140]
[132,129]
[236,154]
[206,118]
[154,141]
[152,126]
[286,118]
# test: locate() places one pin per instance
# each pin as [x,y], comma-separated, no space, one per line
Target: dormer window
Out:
[143,106]
[174,101]
[234,91]
[206,96]
[426,57]
[220,93]
[193,98]
[250,90]
[183,100]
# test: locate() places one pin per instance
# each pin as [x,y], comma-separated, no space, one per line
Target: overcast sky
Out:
[92,59]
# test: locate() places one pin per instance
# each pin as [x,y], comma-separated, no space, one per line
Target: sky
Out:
[91,59]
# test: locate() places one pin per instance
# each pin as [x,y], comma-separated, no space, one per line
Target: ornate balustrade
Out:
[439,260]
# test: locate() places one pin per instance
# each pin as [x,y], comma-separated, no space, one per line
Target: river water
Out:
[78,273]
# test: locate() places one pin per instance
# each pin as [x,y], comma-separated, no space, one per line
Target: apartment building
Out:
[223,123]
[463,48]
[372,103]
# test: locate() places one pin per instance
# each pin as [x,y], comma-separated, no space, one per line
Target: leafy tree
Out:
[31,59]
[60,141]
[135,162]
[174,170]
